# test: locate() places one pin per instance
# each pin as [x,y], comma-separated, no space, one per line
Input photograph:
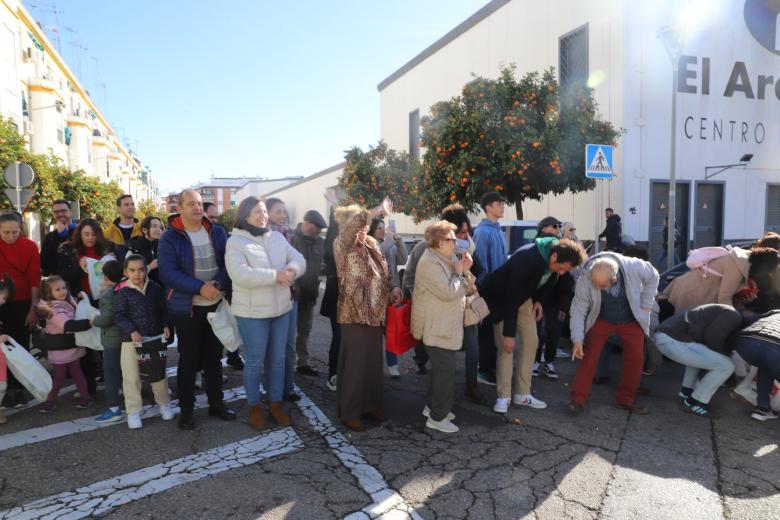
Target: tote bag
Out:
[398,331]
[225,327]
[152,358]
[89,338]
[27,370]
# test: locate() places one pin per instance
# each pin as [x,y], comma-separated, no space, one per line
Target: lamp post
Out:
[673,38]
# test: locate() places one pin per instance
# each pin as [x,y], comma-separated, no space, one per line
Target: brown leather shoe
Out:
[277,412]
[256,417]
[574,408]
[355,425]
[378,415]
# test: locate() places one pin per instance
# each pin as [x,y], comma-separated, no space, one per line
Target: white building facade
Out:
[728,105]
[46,102]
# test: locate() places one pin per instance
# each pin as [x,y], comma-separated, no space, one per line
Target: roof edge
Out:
[429,51]
[313,176]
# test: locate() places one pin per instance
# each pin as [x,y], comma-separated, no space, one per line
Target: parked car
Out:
[518,232]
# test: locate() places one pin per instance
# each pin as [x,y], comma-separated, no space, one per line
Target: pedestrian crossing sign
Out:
[598,161]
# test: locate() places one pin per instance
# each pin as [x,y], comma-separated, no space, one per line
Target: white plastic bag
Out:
[88,338]
[95,274]
[27,370]
[774,401]
[224,325]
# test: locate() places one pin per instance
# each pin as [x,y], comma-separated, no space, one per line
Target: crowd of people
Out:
[506,310]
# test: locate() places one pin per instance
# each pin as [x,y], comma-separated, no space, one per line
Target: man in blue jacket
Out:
[491,253]
[191,260]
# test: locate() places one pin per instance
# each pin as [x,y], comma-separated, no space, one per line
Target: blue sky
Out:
[243,88]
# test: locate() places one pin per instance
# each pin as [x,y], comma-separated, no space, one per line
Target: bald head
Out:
[603,273]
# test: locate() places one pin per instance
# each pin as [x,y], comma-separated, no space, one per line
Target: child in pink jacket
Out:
[59,308]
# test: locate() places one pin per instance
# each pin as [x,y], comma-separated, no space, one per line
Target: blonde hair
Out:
[437,232]
[342,214]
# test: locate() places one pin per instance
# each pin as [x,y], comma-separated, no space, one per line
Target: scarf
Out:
[545,245]
[254,230]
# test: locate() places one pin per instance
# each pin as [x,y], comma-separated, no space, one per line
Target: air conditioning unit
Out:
[28,127]
[27,54]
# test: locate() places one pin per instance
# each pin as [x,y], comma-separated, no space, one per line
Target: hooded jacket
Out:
[176,263]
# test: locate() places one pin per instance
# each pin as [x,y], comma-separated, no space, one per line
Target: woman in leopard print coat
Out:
[365,288]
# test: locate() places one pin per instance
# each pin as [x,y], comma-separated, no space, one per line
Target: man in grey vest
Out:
[614,296]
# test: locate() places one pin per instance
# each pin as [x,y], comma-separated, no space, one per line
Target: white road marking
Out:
[386,501]
[103,496]
[85,424]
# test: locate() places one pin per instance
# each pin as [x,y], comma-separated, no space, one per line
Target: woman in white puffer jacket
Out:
[263,266]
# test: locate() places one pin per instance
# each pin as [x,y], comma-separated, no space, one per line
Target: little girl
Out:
[59,308]
[6,294]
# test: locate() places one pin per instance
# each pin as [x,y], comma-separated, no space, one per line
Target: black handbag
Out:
[152,358]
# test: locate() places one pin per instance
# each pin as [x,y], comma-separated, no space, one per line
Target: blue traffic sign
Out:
[598,161]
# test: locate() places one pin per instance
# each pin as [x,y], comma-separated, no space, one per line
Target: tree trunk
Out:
[517,200]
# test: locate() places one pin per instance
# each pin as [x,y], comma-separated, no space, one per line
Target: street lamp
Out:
[673,37]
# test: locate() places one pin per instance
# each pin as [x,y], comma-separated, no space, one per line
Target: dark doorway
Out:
[659,209]
[708,217]
[772,208]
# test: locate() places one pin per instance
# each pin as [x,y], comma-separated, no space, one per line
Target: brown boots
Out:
[277,412]
[256,417]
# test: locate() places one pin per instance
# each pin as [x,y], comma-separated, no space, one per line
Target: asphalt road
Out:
[530,464]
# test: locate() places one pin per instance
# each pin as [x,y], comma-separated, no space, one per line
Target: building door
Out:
[659,209]
[772,208]
[708,218]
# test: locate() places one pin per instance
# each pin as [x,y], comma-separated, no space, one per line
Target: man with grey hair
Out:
[614,296]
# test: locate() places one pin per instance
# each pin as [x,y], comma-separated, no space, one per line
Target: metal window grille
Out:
[573,57]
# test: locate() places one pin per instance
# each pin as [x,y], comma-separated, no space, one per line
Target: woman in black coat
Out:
[146,245]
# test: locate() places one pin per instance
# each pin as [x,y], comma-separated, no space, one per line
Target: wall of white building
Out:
[58,108]
[259,187]
[525,34]
[308,193]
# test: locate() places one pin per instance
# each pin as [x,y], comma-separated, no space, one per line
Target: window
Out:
[414,134]
[60,135]
[573,57]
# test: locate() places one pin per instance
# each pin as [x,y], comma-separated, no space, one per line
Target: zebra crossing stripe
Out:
[386,501]
[86,424]
[103,496]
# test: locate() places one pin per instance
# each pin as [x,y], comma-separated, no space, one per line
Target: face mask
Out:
[461,246]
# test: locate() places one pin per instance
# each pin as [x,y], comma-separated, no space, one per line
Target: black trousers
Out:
[199,349]
[333,352]
[487,347]
[12,316]
[549,335]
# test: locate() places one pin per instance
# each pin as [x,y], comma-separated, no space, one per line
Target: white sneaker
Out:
[134,421]
[427,413]
[529,400]
[394,372]
[560,353]
[331,383]
[445,425]
[166,412]
[502,405]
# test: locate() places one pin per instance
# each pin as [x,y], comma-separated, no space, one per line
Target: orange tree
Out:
[369,176]
[96,199]
[148,207]
[522,137]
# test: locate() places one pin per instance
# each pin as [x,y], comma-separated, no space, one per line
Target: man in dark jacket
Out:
[512,294]
[613,232]
[191,259]
[698,339]
[309,243]
[63,229]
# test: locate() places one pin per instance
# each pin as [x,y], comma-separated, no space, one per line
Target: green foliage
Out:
[147,207]
[96,199]
[228,219]
[370,176]
[522,137]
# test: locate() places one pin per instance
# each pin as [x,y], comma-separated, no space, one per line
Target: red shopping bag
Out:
[398,333]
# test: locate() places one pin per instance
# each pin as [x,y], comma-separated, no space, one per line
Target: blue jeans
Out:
[112,373]
[289,351]
[264,349]
[764,355]
[471,346]
[696,356]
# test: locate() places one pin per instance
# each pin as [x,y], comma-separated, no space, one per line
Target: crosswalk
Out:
[103,496]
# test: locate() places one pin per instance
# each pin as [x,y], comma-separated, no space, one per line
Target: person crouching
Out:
[139,311]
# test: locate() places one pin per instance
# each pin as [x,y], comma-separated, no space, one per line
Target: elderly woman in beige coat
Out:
[438,305]
[726,276]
